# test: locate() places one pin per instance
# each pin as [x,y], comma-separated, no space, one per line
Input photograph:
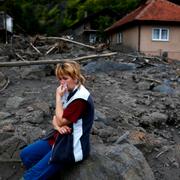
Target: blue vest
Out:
[74,147]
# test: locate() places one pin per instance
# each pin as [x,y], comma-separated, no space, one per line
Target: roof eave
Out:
[141,22]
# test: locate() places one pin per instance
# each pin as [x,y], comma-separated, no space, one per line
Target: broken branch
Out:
[35,48]
[20,57]
[68,40]
[162,152]
[121,138]
[16,36]
[5,86]
[52,48]
[153,80]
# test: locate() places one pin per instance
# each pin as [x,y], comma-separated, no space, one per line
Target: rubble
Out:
[137,105]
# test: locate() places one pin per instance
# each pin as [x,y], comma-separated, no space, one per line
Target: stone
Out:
[14,102]
[118,162]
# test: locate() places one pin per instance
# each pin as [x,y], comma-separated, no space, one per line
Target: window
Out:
[92,38]
[160,34]
[119,38]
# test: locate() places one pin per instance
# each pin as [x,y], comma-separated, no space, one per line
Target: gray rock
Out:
[120,162]
[5,135]
[155,118]
[165,89]
[4,115]
[143,86]
[34,72]
[9,148]
[106,66]
[43,106]
[34,117]
[99,116]
[28,133]
[14,102]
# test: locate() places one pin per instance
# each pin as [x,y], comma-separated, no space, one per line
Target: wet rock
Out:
[33,72]
[99,116]
[5,135]
[96,126]
[28,133]
[4,115]
[8,128]
[14,102]
[34,117]
[105,133]
[144,141]
[20,113]
[9,148]
[6,122]
[155,118]
[143,86]
[114,162]
[44,106]
[107,66]
[165,89]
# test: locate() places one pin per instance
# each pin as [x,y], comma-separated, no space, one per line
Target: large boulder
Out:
[116,162]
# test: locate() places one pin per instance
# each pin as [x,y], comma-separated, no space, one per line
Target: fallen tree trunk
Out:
[27,63]
[68,40]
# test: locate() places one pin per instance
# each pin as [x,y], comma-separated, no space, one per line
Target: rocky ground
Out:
[137,98]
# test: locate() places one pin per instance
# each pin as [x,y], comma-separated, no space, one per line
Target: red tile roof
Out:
[152,10]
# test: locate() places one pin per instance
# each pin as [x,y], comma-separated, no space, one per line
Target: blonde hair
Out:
[70,68]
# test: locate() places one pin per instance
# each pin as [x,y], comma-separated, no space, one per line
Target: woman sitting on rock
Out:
[72,122]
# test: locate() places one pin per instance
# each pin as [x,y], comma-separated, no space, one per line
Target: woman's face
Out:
[68,81]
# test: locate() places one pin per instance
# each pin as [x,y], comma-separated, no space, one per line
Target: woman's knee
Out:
[34,152]
[23,153]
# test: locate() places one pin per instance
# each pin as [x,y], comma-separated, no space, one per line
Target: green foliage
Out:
[51,17]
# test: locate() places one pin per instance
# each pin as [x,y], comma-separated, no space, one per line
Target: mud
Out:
[130,94]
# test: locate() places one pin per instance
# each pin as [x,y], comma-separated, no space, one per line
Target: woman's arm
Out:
[63,129]
[59,107]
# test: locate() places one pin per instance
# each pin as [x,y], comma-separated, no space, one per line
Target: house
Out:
[87,29]
[153,29]
[6,26]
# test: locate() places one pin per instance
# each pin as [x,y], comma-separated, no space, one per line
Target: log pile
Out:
[37,50]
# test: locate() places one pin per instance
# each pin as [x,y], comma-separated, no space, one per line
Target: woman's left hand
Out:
[64,130]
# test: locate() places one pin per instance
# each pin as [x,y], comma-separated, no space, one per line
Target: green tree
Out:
[51,17]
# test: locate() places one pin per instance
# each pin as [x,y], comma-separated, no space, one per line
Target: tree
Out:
[51,17]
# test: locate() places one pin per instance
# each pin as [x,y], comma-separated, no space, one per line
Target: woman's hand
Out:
[63,129]
[61,90]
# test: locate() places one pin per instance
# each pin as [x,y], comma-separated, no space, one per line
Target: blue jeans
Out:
[36,157]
